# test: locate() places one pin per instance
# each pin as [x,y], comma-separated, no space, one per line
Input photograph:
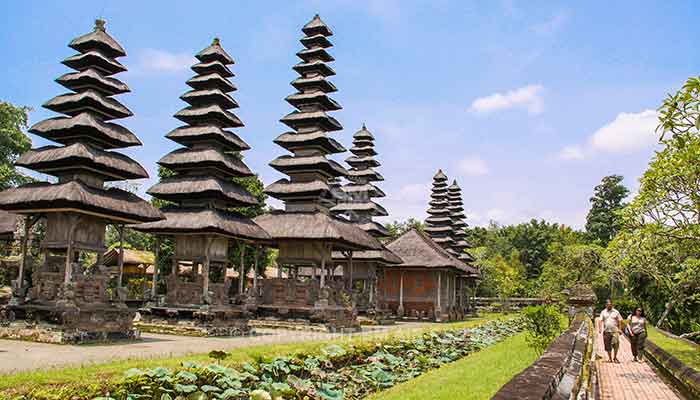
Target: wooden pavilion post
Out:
[23,263]
[255,269]
[323,270]
[120,262]
[400,309]
[68,273]
[205,269]
[350,270]
[156,270]
[241,273]
[439,292]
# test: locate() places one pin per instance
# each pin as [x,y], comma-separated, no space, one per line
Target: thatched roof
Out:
[131,257]
[205,221]
[195,115]
[298,119]
[418,250]
[215,53]
[314,82]
[283,188]
[94,59]
[8,224]
[287,163]
[318,67]
[216,66]
[317,96]
[190,135]
[184,187]
[211,81]
[76,103]
[318,139]
[316,27]
[188,159]
[54,160]
[383,256]
[75,81]
[76,196]
[98,39]
[367,188]
[85,127]
[318,227]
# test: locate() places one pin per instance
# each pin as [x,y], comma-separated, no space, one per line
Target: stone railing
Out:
[557,374]
[684,377]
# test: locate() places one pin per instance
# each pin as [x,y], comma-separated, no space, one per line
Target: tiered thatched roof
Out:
[203,188]
[359,206]
[438,224]
[131,257]
[308,192]
[418,250]
[456,207]
[308,167]
[83,163]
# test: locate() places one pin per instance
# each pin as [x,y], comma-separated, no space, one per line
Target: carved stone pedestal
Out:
[202,321]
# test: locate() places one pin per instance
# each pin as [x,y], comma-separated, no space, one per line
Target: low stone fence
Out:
[557,374]
[685,377]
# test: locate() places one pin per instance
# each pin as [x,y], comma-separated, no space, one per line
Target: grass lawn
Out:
[475,377]
[93,376]
[688,354]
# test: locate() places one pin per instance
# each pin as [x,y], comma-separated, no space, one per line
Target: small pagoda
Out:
[459,247]
[438,225]
[69,298]
[362,269]
[305,232]
[199,195]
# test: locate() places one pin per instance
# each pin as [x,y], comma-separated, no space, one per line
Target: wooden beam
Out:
[156,270]
[120,262]
[241,274]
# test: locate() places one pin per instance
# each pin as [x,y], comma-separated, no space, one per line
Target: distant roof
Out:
[440,176]
[416,249]
[131,256]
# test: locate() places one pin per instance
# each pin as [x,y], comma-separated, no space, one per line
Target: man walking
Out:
[610,324]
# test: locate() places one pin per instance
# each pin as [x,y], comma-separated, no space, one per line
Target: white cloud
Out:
[528,97]
[156,60]
[628,132]
[572,153]
[414,192]
[473,166]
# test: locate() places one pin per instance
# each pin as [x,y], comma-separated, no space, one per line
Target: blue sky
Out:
[527,104]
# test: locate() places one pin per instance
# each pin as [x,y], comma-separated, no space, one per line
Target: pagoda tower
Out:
[305,232]
[359,208]
[456,208]
[438,225]
[200,194]
[78,207]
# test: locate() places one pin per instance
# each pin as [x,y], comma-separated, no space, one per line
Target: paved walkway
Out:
[629,380]
[16,356]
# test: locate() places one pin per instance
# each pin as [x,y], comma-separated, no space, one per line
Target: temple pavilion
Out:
[69,292]
[200,192]
[362,269]
[305,231]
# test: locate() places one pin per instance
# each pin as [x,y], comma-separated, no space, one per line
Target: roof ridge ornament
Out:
[100,25]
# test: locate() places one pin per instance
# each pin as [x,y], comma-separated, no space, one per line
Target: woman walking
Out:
[637,333]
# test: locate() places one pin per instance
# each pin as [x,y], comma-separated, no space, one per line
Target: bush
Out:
[542,326]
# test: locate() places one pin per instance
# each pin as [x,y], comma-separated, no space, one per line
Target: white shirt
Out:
[611,320]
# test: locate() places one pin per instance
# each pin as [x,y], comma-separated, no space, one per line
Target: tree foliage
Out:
[398,228]
[603,220]
[657,253]
[13,142]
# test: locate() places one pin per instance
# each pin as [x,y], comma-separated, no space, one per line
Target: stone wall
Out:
[556,375]
[685,377]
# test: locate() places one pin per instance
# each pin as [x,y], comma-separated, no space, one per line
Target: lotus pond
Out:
[337,372]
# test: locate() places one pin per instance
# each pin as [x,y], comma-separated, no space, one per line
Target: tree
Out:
[603,220]
[657,253]
[569,265]
[398,228]
[13,142]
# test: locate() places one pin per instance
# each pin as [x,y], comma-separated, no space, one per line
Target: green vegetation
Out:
[85,380]
[603,220]
[684,351]
[543,324]
[13,142]
[475,377]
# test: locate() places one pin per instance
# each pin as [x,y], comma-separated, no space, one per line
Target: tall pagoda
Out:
[66,292]
[438,225]
[362,269]
[305,232]
[200,194]
[467,280]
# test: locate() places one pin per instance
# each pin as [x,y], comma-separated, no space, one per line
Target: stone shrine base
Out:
[192,322]
[44,332]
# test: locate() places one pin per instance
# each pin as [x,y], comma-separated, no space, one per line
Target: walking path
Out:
[16,356]
[629,380]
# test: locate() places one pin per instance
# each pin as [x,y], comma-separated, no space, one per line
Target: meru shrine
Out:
[334,265]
